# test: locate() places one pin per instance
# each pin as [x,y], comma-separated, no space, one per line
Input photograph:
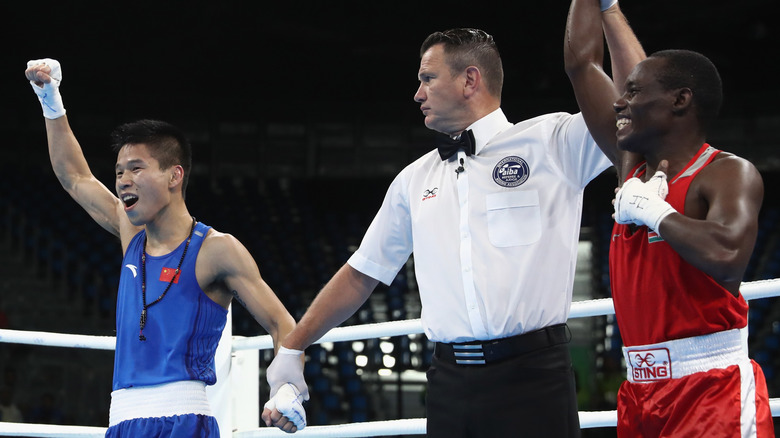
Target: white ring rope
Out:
[414,426]
[750,290]
[50,430]
[49,339]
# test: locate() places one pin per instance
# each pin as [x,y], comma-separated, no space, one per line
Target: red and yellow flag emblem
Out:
[168,273]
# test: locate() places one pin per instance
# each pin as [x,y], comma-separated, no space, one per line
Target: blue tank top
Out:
[182,330]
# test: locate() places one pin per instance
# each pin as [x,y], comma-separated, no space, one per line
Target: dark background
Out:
[198,63]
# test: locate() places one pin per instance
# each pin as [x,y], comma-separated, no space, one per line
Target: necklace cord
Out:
[143,280]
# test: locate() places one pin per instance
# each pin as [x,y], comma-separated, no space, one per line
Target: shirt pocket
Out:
[514,218]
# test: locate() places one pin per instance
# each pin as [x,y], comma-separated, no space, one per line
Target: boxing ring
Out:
[238,362]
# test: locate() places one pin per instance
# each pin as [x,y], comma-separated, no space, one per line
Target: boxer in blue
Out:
[178,276]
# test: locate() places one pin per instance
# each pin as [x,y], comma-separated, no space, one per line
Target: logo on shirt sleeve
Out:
[511,171]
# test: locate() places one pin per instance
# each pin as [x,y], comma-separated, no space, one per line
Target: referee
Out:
[492,216]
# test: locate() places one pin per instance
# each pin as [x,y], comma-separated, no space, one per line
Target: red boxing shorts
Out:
[700,386]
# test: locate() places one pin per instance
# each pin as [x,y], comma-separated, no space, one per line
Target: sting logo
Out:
[428,194]
[650,365]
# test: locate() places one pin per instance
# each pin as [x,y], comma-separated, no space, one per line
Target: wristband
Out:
[660,216]
[49,95]
[284,350]
[606,4]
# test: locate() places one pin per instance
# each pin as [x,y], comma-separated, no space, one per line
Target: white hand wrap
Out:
[49,94]
[288,402]
[287,367]
[643,203]
[606,4]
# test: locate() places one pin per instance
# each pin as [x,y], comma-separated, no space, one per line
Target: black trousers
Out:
[531,395]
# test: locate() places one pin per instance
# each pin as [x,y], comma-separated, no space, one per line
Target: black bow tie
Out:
[448,146]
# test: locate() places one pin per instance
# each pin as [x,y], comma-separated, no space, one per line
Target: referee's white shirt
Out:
[495,245]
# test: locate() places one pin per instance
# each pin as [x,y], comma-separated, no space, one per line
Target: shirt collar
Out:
[488,127]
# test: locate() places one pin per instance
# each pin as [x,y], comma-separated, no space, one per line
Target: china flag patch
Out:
[167,275]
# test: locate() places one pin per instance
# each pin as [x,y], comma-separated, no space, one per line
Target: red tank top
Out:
[658,296]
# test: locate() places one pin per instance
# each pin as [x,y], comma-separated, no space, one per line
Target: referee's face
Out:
[441,94]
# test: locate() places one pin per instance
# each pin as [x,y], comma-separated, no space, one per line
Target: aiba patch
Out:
[511,172]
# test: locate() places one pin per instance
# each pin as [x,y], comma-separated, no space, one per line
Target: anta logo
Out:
[133,269]
[650,365]
[428,194]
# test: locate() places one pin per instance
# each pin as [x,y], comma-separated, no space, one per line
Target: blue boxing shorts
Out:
[178,426]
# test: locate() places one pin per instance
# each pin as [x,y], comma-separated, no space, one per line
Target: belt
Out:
[496,350]
[164,400]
